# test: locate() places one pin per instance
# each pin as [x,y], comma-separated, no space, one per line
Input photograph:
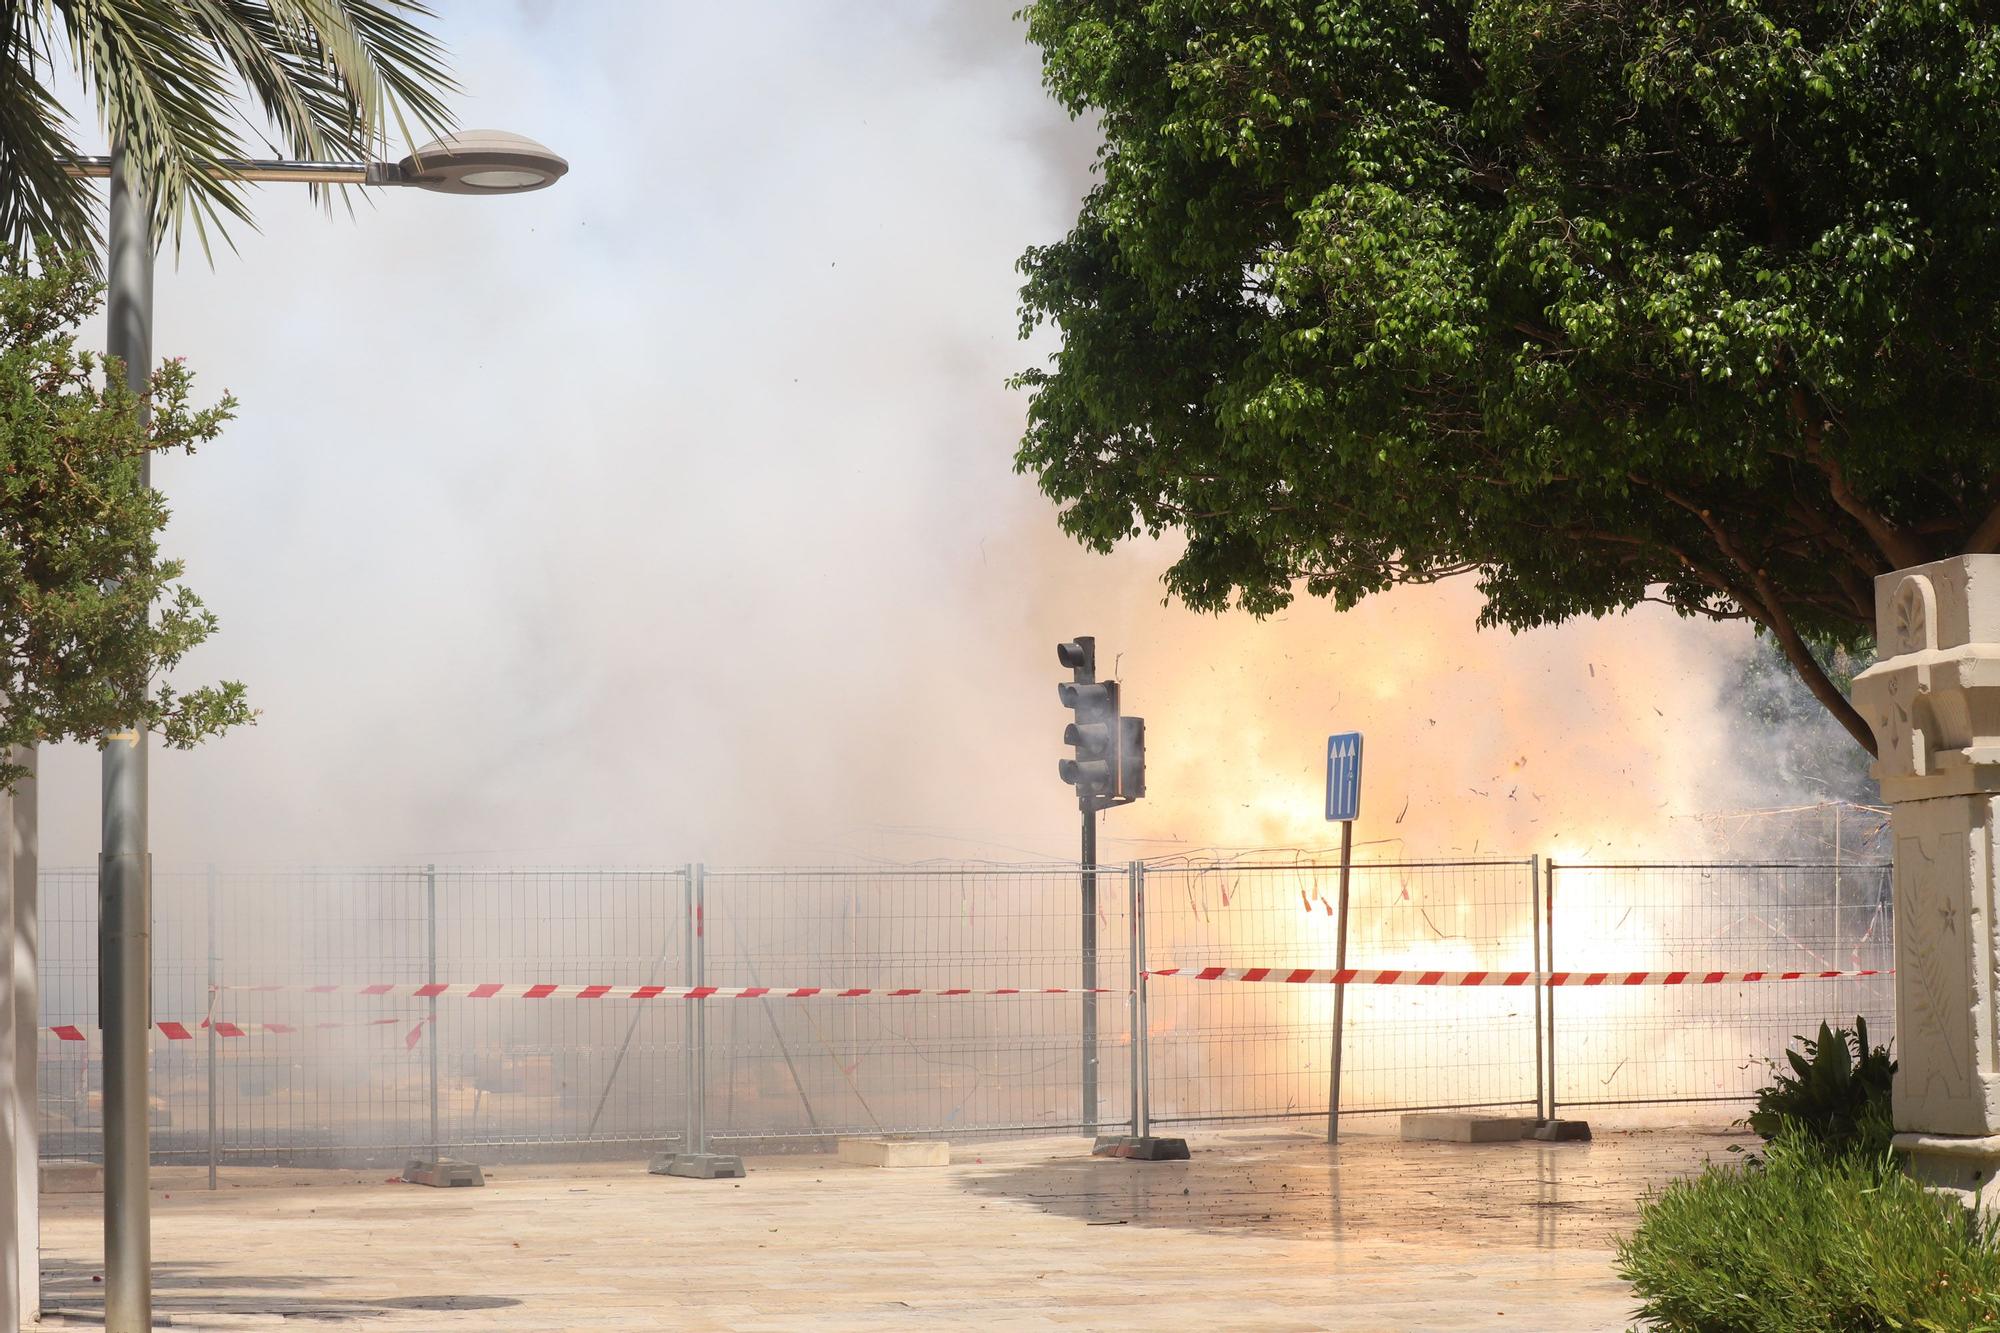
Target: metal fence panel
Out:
[917,1064]
[1710,1042]
[71,1072]
[1242,1050]
[516,1072]
[361,1077]
[358,1077]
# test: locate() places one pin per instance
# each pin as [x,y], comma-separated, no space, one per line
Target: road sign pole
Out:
[1343,804]
[1339,987]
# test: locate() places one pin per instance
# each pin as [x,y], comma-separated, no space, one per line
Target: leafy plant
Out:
[1836,1092]
[1604,303]
[1811,1242]
[91,616]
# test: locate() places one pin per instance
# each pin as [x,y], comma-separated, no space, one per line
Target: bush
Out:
[1836,1094]
[1811,1242]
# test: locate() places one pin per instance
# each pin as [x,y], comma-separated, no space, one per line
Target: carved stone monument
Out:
[1932,699]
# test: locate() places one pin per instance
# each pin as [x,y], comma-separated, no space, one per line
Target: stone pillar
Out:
[1932,699]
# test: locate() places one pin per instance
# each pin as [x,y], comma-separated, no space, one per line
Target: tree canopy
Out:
[1599,301]
[91,617]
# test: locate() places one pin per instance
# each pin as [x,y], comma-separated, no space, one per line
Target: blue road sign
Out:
[1343,776]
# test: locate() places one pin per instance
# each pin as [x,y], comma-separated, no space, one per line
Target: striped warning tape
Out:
[1354,976]
[494,990]
[1362,976]
[223,1028]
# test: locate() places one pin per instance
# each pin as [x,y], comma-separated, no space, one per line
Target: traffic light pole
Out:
[1107,770]
[1088,806]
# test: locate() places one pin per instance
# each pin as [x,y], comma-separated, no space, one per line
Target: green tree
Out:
[177,81]
[1602,301]
[90,616]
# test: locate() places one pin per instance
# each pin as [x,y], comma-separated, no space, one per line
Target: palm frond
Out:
[165,97]
[174,82]
[41,205]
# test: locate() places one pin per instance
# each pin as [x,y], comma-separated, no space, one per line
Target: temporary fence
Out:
[1710,1042]
[368,1014]
[1259,1050]
[988,1046]
[529,1078]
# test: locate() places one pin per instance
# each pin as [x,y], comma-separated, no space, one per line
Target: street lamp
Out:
[484,162]
[479,162]
[465,162]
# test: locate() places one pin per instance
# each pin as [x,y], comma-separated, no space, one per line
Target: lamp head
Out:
[482,162]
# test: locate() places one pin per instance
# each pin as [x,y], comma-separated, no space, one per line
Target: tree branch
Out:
[1985,538]
[1767,607]
[1902,549]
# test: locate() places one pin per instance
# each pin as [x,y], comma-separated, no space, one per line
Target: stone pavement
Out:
[1261,1231]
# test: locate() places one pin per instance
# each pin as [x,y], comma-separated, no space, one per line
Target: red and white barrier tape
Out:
[494,990]
[1362,976]
[223,1028]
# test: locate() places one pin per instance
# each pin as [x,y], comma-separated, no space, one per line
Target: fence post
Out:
[1535,925]
[214,1079]
[1135,949]
[690,1053]
[694,1160]
[1145,1014]
[1139,1145]
[430,977]
[1549,936]
[700,1125]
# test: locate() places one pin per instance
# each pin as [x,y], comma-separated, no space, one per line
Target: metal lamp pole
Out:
[470,162]
[124,879]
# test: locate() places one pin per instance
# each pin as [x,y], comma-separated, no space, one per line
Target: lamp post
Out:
[478,162]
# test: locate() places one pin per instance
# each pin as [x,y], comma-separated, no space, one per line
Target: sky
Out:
[669,514]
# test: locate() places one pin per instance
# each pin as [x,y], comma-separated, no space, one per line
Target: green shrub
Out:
[1836,1093]
[1811,1242]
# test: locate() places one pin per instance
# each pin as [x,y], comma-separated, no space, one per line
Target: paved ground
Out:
[1262,1231]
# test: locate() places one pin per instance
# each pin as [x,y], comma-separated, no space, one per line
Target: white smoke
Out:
[669,513]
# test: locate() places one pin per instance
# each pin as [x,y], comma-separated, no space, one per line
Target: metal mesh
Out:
[560,1071]
[918,1064]
[1237,1050]
[1692,1043]
[368,1077]
[71,1073]
[365,1077]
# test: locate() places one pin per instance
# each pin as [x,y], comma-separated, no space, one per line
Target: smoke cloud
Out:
[669,514]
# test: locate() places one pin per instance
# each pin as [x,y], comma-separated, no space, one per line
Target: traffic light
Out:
[1094,735]
[1080,655]
[1131,758]
[1109,764]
